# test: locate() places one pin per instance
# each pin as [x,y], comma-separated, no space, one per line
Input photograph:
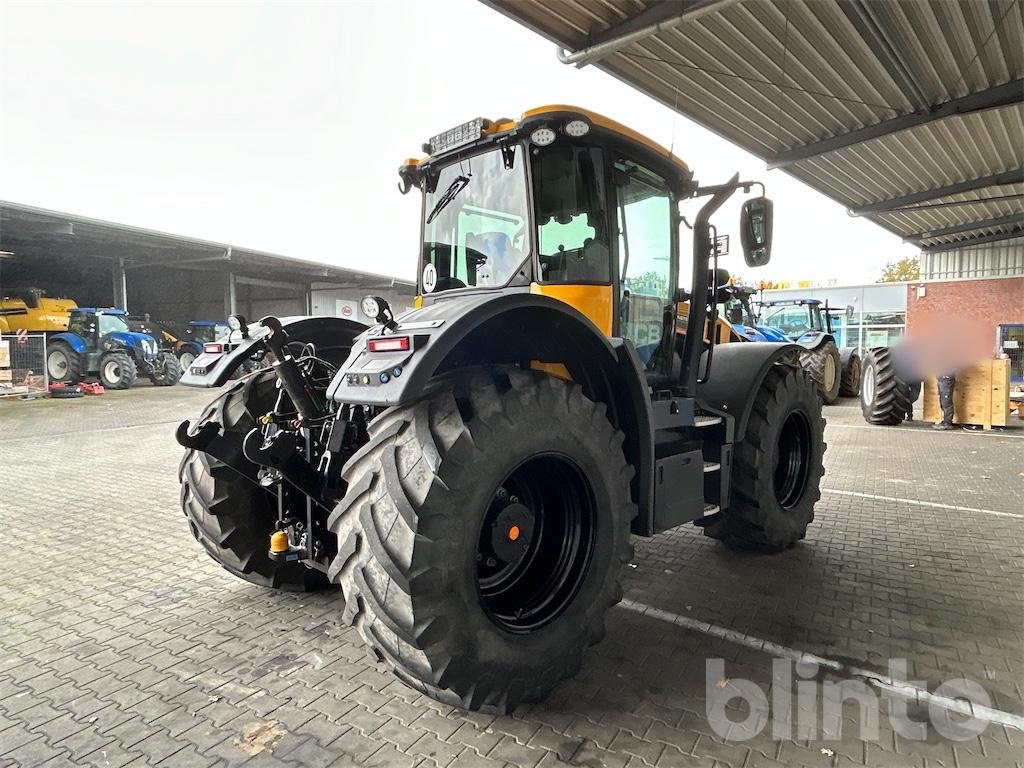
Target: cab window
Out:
[644,207]
[572,229]
[792,321]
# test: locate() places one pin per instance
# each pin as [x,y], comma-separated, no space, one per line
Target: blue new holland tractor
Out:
[98,342]
[808,322]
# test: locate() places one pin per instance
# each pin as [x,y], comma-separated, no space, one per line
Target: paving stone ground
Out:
[121,643]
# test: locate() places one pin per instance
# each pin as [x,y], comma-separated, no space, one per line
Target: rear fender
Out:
[73,340]
[332,337]
[508,328]
[809,341]
[737,371]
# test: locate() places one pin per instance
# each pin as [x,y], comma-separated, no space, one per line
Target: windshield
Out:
[111,323]
[793,321]
[475,224]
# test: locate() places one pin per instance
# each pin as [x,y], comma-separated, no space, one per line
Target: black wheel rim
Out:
[792,459]
[535,543]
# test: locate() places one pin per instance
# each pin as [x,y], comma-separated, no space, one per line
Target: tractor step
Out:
[711,466]
[704,420]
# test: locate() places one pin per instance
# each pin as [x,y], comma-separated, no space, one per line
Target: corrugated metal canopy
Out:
[908,112]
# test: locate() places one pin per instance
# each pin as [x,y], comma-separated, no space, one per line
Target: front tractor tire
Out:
[117,370]
[885,399]
[166,370]
[777,468]
[824,366]
[63,364]
[229,515]
[482,537]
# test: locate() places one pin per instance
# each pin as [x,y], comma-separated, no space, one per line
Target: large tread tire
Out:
[786,405]
[117,370]
[73,372]
[171,370]
[849,385]
[229,515]
[816,363]
[408,531]
[885,398]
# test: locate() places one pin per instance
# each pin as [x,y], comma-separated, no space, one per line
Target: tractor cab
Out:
[796,319]
[203,331]
[569,204]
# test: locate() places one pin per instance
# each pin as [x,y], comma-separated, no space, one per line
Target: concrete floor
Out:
[121,642]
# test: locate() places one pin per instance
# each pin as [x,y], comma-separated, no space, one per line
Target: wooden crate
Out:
[981,396]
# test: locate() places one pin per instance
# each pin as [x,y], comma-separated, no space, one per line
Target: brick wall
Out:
[977,305]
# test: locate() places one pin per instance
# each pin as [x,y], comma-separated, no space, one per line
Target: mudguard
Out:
[467,330]
[507,328]
[214,370]
[814,339]
[737,371]
[73,340]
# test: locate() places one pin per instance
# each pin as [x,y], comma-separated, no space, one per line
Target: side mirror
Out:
[756,231]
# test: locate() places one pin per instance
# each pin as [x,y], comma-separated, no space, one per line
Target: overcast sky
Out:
[281,127]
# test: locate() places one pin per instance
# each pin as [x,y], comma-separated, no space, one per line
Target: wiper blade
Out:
[460,183]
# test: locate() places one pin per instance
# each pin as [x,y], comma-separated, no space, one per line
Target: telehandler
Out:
[470,472]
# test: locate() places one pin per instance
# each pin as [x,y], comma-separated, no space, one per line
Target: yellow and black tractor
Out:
[470,472]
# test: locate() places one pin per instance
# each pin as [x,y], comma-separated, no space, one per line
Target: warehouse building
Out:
[172,277]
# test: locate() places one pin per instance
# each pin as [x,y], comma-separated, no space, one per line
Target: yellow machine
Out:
[470,472]
[30,310]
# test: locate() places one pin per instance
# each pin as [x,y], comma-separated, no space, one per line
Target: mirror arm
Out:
[702,253]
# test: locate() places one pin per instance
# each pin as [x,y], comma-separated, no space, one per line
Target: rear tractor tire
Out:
[849,384]
[823,365]
[482,537]
[885,398]
[777,468]
[117,370]
[229,515]
[167,370]
[63,364]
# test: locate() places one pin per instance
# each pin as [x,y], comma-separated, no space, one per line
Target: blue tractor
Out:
[98,342]
[739,313]
[198,333]
[808,322]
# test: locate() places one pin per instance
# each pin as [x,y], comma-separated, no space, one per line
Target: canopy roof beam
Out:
[1004,178]
[657,18]
[972,241]
[1003,95]
[969,226]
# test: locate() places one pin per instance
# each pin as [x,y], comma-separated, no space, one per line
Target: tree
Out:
[905,270]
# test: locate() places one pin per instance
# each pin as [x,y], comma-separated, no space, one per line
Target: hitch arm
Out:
[209,440]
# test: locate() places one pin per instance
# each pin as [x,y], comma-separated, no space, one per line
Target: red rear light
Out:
[389,344]
[213,348]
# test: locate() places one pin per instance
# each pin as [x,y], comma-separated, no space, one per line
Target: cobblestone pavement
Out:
[121,643]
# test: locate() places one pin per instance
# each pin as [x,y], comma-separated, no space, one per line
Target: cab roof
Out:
[495,128]
[97,311]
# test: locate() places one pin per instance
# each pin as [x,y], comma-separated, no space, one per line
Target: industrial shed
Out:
[908,113]
[171,277]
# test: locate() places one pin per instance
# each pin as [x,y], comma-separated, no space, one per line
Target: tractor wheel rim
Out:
[57,364]
[792,460]
[536,543]
[112,371]
[867,387]
[829,373]
[186,359]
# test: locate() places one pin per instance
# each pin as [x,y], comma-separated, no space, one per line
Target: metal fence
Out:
[23,364]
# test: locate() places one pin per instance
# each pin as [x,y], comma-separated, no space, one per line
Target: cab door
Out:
[646,286]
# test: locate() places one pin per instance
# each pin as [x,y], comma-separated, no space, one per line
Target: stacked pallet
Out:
[981,396]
